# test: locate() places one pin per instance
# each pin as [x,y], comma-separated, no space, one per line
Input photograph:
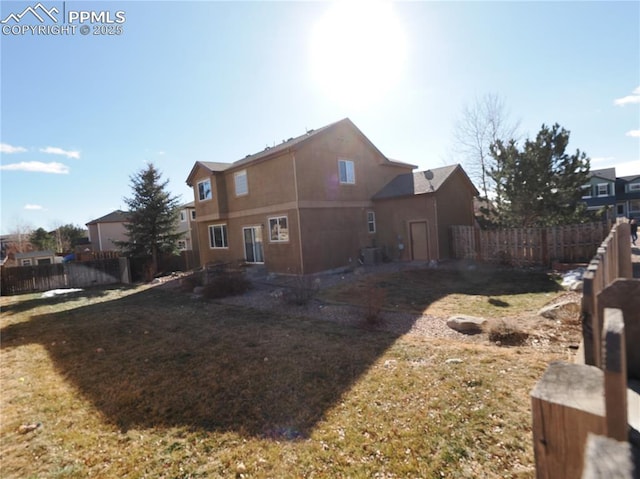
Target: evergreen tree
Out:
[41,240]
[540,184]
[153,218]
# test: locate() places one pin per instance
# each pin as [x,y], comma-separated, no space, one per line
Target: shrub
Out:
[505,332]
[373,301]
[303,290]
[226,283]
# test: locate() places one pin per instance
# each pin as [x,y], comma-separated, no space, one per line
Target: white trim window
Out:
[242,185]
[634,187]
[204,190]
[278,229]
[371,221]
[26,262]
[603,189]
[182,245]
[183,216]
[346,172]
[193,215]
[218,236]
[586,191]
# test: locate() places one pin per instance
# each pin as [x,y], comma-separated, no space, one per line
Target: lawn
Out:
[146,382]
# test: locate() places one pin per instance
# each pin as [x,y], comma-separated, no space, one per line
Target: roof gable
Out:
[117,216]
[420,182]
[605,174]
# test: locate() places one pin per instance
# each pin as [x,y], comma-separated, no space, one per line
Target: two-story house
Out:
[620,196]
[628,196]
[309,205]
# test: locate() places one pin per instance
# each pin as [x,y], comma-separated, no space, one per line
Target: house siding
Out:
[454,207]
[394,218]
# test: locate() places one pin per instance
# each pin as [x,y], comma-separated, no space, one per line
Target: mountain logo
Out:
[38,11]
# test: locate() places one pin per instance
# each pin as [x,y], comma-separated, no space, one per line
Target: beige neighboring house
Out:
[321,201]
[106,230]
[34,258]
[189,242]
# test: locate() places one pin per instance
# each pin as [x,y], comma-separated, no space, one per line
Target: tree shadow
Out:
[158,359]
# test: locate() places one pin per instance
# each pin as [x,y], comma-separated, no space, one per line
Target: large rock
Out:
[466,324]
[560,310]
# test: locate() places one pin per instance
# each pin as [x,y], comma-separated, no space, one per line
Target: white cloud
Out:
[629,99]
[633,133]
[6,148]
[37,167]
[53,150]
[33,207]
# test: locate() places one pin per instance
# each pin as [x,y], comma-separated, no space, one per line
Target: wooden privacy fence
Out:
[528,246]
[26,279]
[586,417]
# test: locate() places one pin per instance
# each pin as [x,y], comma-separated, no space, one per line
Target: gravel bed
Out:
[267,295]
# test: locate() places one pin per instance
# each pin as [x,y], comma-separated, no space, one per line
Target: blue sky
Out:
[214,81]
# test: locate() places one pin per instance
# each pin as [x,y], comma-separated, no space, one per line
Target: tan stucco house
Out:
[316,202]
[105,231]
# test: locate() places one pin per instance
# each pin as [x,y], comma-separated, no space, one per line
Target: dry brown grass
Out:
[149,383]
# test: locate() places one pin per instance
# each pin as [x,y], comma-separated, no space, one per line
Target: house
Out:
[620,196]
[105,231]
[628,196]
[319,201]
[189,245]
[600,192]
[34,258]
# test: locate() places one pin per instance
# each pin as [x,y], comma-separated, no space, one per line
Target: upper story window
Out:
[182,245]
[603,189]
[634,186]
[183,216]
[371,221]
[193,215]
[278,229]
[242,186]
[586,191]
[346,172]
[204,190]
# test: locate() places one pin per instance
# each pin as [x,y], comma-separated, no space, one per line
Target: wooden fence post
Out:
[615,374]
[625,295]
[567,404]
[625,267]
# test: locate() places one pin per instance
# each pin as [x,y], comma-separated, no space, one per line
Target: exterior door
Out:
[419,240]
[253,244]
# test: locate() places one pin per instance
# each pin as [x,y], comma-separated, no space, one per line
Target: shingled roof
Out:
[605,173]
[117,216]
[270,151]
[418,183]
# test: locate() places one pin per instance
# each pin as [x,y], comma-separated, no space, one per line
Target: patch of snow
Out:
[58,292]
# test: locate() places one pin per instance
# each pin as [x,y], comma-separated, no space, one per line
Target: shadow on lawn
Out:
[161,359]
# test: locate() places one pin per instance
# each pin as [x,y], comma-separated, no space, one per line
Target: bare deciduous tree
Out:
[481,124]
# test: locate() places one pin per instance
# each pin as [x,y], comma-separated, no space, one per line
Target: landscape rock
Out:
[466,324]
[558,310]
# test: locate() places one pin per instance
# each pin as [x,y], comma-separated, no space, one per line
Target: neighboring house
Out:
[621,196]
[600,192]
[106,230]
[316,202]
[34,258]
[628,196]
[189,242]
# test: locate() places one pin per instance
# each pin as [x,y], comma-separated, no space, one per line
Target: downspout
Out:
[295,183]
[99,238]
[437,227]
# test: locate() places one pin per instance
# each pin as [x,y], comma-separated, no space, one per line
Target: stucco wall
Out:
[455,207]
